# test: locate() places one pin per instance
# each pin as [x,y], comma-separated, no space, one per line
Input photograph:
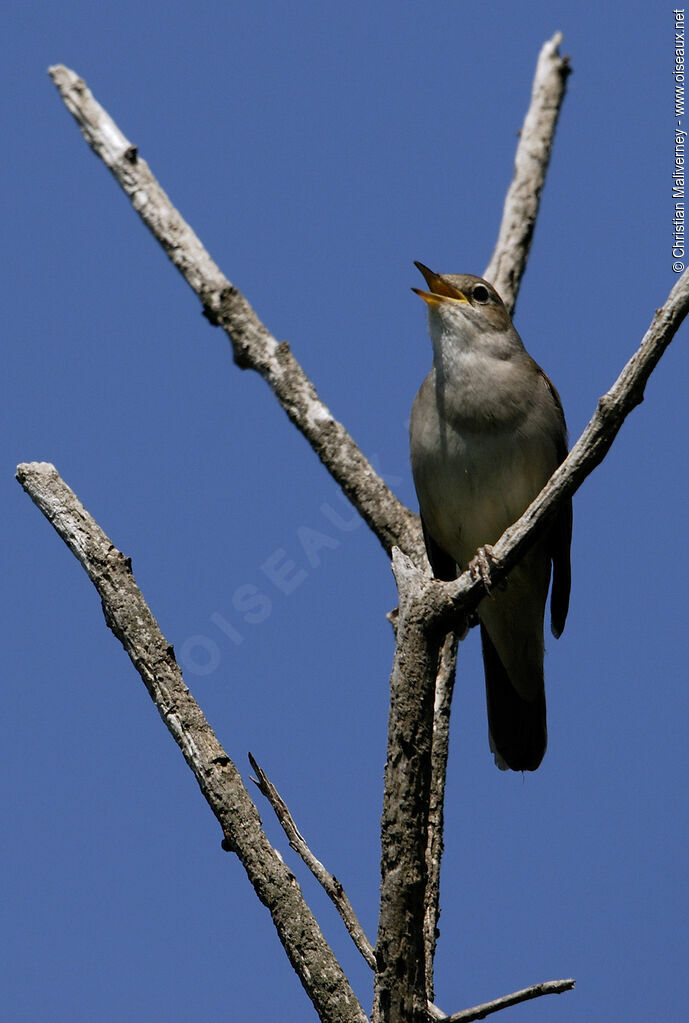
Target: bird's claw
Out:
[481,564]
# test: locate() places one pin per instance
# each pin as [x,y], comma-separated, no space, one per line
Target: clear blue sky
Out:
[318,149]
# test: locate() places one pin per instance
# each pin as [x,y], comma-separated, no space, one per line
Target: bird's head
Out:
[463,303]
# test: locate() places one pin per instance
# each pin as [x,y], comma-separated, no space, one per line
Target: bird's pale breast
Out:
[476,473]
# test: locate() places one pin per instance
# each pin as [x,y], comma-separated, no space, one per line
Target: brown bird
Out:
[487,431]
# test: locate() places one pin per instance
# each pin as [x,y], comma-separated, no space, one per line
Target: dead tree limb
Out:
[508,261]
[549,987]
[253,345]
[330,884]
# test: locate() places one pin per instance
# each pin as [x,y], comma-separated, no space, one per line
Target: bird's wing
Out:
[560,536]
[560,539]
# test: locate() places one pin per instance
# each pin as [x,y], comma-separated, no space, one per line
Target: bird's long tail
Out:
[517,727]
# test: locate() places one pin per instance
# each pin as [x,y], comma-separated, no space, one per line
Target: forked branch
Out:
[330,884]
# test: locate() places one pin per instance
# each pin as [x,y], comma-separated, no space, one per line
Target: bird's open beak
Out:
[440,289]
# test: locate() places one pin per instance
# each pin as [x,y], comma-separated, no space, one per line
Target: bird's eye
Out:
[480,294]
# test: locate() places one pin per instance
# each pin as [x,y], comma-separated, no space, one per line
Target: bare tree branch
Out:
[549,987]
[332,887]
[130,619]
[253,345]
[508,261]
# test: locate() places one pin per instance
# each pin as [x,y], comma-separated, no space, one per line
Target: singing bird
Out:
[487,431]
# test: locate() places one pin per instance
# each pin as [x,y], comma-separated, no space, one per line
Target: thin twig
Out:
[508,261]
[130,619]
[253,345]
[332,887]
[549,987]
[444,687]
